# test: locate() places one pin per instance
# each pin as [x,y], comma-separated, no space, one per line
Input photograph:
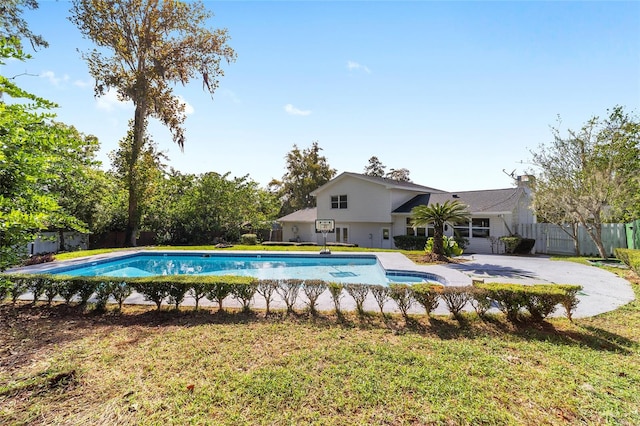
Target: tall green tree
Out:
[195,219]
[438,215]
[81,187]
[146,174]
[307,170]
[153,45]
[590,176]
[375,167]
[32,163]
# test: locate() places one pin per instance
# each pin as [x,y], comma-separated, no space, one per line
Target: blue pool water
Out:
[336,268]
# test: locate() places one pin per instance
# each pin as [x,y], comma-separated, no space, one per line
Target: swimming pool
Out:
[364,269]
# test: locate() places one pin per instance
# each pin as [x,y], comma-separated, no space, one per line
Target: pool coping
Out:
[392,262]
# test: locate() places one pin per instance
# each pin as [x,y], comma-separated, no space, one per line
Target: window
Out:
[338,201]
[461,229]
[417,231]
[477,228]
[480,228]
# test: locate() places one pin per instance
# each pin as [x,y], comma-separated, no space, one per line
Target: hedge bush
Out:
[410,242]
[249,239]
[313,289]
[359,293]
[513,300]
[427,295]
[335,289]
[539,300]
[381,294]
[402,294]
[515,244]
[630,257]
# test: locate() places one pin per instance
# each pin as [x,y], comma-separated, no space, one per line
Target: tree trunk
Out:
[139,126]
[61,240]
[438,239]
[132,222]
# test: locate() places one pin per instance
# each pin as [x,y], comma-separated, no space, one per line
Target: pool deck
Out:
[602,291]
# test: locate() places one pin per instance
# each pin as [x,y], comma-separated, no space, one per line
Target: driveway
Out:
[602,291]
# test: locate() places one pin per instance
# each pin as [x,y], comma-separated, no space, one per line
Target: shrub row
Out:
[630,257]
[539,300]
[512,299]
[410,242]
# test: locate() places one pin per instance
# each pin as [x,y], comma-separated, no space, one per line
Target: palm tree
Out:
[439,214]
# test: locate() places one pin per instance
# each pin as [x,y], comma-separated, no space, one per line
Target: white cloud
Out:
[53,79]
[355,66]
[83,83]
[290,109]
[109,101]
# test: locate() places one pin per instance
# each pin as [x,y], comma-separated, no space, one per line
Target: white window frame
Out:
[341,201]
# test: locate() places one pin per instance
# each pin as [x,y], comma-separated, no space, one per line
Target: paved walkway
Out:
[602,291]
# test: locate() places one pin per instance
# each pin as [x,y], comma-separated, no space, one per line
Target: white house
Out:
[369,211]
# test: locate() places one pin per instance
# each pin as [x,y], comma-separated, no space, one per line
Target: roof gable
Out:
[387,183]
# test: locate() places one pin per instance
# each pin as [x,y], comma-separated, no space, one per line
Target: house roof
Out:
[387,183]
[484,201]
[302,216]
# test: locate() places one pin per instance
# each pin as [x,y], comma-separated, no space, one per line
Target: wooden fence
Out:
[553,239]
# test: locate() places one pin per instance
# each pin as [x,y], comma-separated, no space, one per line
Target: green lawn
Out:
[63,366]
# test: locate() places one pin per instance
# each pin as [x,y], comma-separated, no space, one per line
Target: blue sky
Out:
[453,91]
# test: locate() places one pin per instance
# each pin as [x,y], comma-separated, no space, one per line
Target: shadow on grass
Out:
[25,329]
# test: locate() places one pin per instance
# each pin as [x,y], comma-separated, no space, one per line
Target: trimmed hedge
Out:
[630,257]
[410,242]
[539,300]
[427,295]
[514,300]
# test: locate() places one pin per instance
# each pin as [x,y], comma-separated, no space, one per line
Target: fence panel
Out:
[48,242]
[633,234]
[553,239]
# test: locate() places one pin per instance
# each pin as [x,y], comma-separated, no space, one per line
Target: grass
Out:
[63,365]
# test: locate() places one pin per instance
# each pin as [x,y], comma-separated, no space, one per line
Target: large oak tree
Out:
[144,48]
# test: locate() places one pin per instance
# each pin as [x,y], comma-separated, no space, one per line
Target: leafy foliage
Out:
[427,295]
[401,175]
[591,176]
[359,293]
[38,161]
[313,289]
[438,215]
[410,242]
[13,25]
[450,246]
[307,170]
[630,257]
[375,167]
[402,294]
[154,44]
